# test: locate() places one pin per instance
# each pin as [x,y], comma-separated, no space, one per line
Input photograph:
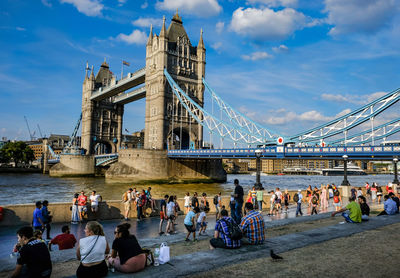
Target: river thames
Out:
[29,188]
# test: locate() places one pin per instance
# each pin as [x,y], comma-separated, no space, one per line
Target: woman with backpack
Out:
[337,200]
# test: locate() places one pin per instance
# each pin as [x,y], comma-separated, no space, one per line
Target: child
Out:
[272,203]
[190,221]
[201,222]
[187,203]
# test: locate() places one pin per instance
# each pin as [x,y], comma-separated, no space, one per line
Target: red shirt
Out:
[64,241]
[82,199]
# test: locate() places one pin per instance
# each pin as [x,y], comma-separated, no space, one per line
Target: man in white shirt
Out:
[94,201]
[299,200]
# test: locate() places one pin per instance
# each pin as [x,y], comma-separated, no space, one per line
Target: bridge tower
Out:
[101,120]
[172,50]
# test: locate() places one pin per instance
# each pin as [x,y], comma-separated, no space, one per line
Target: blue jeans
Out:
[238,212]
[232,206]
[347,217]
[259,205]
[298,210]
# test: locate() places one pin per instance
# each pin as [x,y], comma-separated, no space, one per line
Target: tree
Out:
[18,152]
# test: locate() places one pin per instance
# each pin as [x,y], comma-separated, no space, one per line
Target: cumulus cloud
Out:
[47,3]
[144,5]
[355,99]
[219,27]
[267,24]
[280,49]
[217,46]
[201,8]
[136,37]
[121,2]
[146,22]
[87,7]
[275,3]
[350,16]
[259,55]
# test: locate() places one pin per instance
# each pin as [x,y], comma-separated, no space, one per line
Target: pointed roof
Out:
[163,31]
[201,43]
[176,29]
[177,18]
[92,73]
[150,39]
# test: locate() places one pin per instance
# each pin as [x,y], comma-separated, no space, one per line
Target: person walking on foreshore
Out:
[373,192]
[337,200]
[141,203]
[187,202]
[278,199]
[46,218]
[298,197]
[286,199]
[75,219]
[217,204]
[324,198]
[195,200]
[272,202]
[238,200]
[163,214]
[38,221]
[314,202]
[190,223]
[379,193]
[308,195]
[127,200]
[260,198]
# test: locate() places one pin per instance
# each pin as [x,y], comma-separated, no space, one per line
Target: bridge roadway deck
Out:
[353,152]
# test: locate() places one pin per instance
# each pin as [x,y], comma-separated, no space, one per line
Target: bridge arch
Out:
[183,138]
[104,147]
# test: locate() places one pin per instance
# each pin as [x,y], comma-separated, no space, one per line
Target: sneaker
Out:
[167,234]
[186,239]
[160,233]
[195,240]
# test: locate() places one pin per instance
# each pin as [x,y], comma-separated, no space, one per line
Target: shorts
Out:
[337,204]
[162,216]
[95,207]
[217,209]
[278,201]
[201,225]
[82,209]
[171,217]
[190,229]
[127,205]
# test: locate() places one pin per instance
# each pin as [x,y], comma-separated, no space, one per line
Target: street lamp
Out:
[345,182]
[396,180]
[258,153]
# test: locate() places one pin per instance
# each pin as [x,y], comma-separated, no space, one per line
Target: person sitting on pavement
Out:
[190,221]
[396,199]
[355,211]
[34,254]
[221,237]
[64,240]
[126,254]
[390,206]
[364,208]
[252,226]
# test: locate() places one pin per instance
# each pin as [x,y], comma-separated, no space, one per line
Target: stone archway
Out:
[104,147]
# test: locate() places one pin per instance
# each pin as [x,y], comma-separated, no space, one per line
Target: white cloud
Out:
[20,28]
[47,3]
[281,116]
[219,27]
[356,99]
[87,7]
[350,16]
[136,37]
[121,3]
[280,49]
[201,8]
[217,46]
[259,55]
[267,24]
[147,21]
[144,5]
[275,3]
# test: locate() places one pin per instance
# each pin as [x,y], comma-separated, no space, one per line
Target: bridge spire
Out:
[92,74]
[163,29]
[201,43]
[150,39]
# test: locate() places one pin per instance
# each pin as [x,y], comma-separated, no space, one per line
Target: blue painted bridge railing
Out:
[276,152]
[105,159]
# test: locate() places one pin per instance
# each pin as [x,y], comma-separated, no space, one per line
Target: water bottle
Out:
[156,256]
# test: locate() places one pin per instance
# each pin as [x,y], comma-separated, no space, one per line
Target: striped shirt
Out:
[253,227]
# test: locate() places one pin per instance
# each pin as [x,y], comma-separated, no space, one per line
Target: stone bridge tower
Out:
[101,120]
[172,50]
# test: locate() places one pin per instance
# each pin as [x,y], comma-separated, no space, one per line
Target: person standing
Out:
[253,195]
[187,202]
[38,221]
[34,254]
[324,198]
[278,199]
[238,200]
[195,200]
[75,219]
[260,198]
[232,205]
[314,203]
[286,199]
[66,240]
[218,205]
[373,192]
[298,197]
[82,202]
[163,214]
[94,202]
[170,215]
[337,200]
[190,221]
[141,203]
[379,193]
[46,218]
[127,200]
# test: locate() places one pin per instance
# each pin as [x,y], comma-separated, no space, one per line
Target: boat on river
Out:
[352,170]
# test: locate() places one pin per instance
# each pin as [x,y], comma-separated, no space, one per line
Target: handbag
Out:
[164,253]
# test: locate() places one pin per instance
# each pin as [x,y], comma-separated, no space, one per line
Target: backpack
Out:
[215,200]
[296,197]
[125,197]
[336,199]
[314,200]
[234,231]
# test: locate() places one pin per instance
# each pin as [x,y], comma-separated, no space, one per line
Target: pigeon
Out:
[275,256]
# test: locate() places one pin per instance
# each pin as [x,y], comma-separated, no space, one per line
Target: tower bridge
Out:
[177,121]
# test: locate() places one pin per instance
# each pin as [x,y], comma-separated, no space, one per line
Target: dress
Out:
[324,201]
[75,214]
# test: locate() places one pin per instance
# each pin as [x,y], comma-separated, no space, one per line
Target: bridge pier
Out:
[73,165]
[138,165]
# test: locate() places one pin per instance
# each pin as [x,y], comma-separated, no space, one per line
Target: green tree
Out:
[17,152]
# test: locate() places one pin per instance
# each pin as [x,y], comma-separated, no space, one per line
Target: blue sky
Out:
[288,64]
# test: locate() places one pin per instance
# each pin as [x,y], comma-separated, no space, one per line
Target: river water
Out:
[29,188]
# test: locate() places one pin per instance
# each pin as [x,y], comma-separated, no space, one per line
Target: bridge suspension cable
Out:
[237,134]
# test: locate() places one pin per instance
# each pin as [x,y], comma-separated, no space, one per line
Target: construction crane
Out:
[31,135]
[40,132]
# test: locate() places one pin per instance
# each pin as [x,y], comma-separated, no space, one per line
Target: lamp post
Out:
[396,180]
[258,153]
[345,182]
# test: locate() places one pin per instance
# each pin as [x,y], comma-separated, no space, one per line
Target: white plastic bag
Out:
[164,253]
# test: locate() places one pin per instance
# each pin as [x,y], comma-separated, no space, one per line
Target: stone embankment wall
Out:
[141,165]
[73,165]
[114,209]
